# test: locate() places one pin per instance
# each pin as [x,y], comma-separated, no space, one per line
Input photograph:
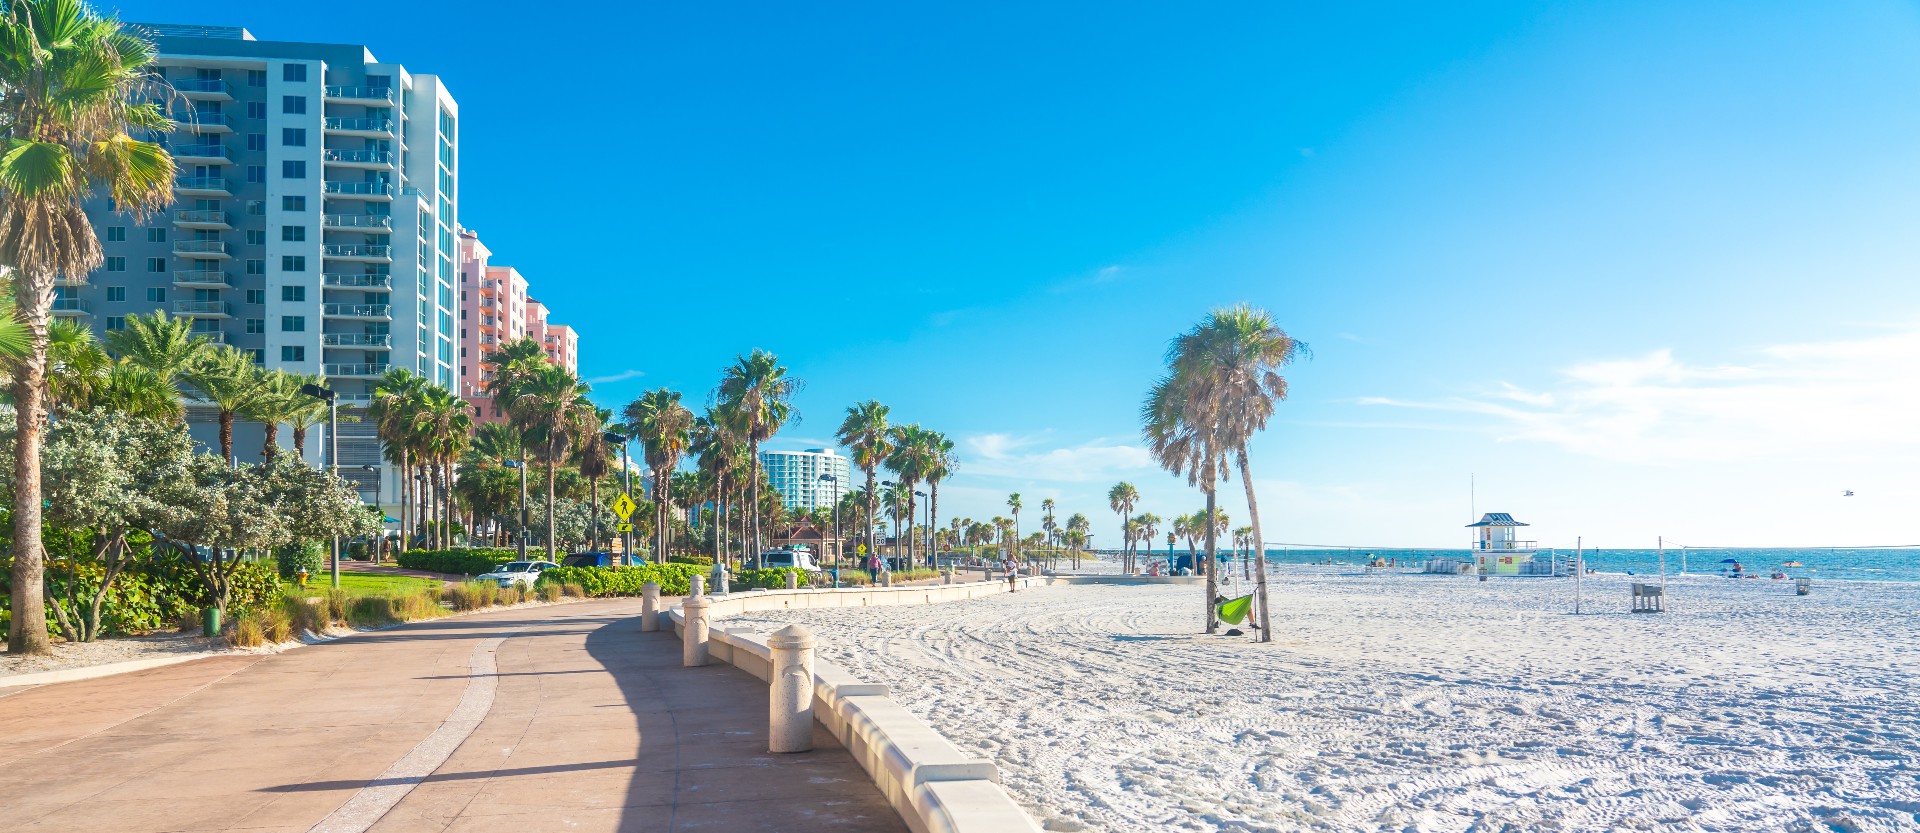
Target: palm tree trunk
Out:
[300,440]
[453,504]
[406,495]
[753,469]
[1259,547]
[553,465]
[226,436]
[27,631]
[1213,587]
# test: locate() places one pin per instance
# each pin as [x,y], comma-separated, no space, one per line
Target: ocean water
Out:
[1878,564]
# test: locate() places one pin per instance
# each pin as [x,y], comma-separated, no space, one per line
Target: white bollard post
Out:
[886,578]
[947,578]
[790,700]
[719,582]
[698,586]
[693,645]
[650,606]
[793,581]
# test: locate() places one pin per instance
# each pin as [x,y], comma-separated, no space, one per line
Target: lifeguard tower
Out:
[1497,552]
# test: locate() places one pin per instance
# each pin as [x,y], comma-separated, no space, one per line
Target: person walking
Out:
[873,567]
[1012,567]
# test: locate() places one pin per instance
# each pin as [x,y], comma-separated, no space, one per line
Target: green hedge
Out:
[771,578]
[700,560]
[150,594]
[464,561]
[674,579]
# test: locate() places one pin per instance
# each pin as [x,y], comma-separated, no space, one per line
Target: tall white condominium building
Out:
[313,224]
[796,476]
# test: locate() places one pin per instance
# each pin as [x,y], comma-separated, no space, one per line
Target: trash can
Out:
[210,621]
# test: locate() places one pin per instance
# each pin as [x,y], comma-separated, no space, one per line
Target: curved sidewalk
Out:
[560,717]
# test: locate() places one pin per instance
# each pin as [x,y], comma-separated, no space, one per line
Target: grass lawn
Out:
[369,584]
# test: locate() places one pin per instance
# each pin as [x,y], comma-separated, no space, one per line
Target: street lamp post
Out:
[930,557]
[838,545]
[516,464]
[333,451]
[626,487]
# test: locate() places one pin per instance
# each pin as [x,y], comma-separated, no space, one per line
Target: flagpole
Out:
[1579,571]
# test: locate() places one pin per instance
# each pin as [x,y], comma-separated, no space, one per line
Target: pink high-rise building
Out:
[495,310]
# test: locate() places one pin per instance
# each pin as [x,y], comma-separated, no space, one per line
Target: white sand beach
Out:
[1406,702]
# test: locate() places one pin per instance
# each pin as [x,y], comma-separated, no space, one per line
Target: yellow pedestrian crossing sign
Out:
[625,527]
[623,506]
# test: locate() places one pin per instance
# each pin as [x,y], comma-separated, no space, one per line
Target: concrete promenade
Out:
[562,717]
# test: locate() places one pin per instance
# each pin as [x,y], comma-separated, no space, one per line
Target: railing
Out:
[214,336]
[201,152]
[203,277]
[358,310]
[201,183]
[357,369]
[1506,545]
[380,93]
[202,308]
[352,281]
[187,247]
[201,85]
[376,221]
[355,250]
[194,121]
[61,305]
[366,125]
[208,216]
[374,157]
[356,340]
[354,400]
[368,188]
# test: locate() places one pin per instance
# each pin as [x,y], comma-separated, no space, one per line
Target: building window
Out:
[293,203]
[157,294]
[256,237]
[293,169]
[256,208]
[116,234]
[256,267]
[293,234]
[156,235]
[293,324]
[115,322]
[256,296]
[256,141]
[293,72]
[295,104]
[116,264]
[293,263]
[256,173]
[293,293]
[293,137]
[256,325]
[256,78]
[156,264]
[257,110]
[293,353]
[259,355]
[116,293]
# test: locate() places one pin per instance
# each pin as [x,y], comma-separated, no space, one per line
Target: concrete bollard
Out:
[886,578]
[790,702]
[693,644]
[650,606]
[698,585]
[793,581]
[719,582]
[947,577]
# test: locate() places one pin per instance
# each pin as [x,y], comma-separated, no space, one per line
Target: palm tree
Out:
[274,403]
[1013,502]
[760,392]
[1077,527]
[553,411]
[722,460]
[510,365]
[1149,527]
[911,461]
[227,378]
[307,411]
[665,429]
[1181,448]
[443,426]
[865,433]
[72,85]
[397,398]
[1243,541]
[1046,523]
[166,346]
[1225,380]
[594,459]
[1121,499]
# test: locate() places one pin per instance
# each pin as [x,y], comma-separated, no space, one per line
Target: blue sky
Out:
[1638,269]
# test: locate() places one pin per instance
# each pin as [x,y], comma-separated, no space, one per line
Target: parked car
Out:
[789,558]
[588,559]
[520,573]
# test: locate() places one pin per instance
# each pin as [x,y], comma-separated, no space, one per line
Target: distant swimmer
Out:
[1847,493]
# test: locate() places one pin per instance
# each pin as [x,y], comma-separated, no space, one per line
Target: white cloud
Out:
[1002,455]
[1853,399]
[622,376]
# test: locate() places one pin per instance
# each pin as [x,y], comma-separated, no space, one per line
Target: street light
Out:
[896,520]
[626,486]
[516,464]
[333,451]
[930,556]
[838,545]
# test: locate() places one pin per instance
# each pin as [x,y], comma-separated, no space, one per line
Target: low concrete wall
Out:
[933,785]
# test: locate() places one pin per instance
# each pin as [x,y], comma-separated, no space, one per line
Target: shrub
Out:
[307,555]
[413,607]
[573,590]
[249,631]
[188,621]
[337,600]
[278,625]
[473,595]
[674,579]
[771,578]
[550,592]
[371,611]
[701,560]
[464,561]
[307,614]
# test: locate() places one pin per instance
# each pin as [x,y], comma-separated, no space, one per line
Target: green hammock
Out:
[1234,611]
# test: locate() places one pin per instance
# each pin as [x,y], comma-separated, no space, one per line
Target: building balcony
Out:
[1506,546]
[359,95]
[203,219]
[201,249]
[377,128]
[356,222]
[354,400]
[212,336]
[203,89]
[202,154]
[202,122]
[203,279]
[71,307]
[351,280]
[360,191]
[203,309]
[356,371]
[359,341]
[354,251]
[64,279]
[358,158]
[361,312]
[203,186]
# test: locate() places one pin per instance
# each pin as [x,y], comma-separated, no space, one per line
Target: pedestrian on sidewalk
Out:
[1013,573]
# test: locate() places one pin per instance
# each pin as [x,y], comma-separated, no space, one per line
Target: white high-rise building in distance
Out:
[796,476]
[313,224]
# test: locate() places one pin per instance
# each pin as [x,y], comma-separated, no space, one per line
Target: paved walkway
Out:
[563,717]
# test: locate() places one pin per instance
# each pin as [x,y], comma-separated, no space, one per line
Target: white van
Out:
[789,558]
